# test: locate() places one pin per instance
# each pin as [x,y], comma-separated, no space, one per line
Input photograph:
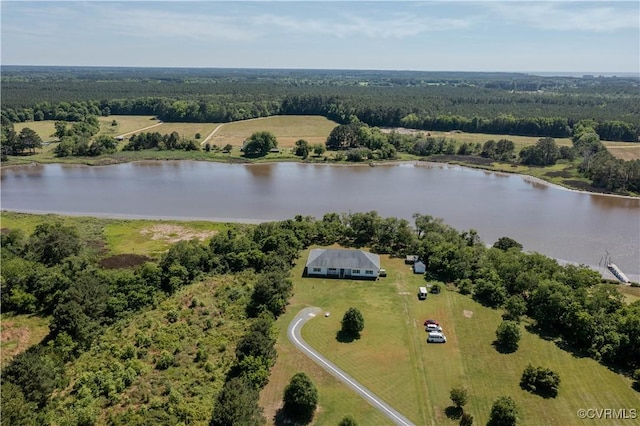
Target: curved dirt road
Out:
[293,333]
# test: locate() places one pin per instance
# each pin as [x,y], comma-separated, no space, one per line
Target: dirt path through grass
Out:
[211,134]
[139,130]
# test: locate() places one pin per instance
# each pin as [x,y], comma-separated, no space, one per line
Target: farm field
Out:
[393,359]
[624,150]
[287,129]
[125,124]
[44,129]
[187,130]
[481,138]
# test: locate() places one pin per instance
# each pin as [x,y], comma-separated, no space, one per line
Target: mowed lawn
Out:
[393,359]
[287,129]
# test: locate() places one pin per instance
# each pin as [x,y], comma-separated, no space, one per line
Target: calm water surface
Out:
[567,225]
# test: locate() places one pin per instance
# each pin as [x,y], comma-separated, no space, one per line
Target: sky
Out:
[601,37]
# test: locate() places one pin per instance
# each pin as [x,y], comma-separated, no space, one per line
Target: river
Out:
[572,226]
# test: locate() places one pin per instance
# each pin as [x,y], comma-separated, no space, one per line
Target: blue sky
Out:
[540,36]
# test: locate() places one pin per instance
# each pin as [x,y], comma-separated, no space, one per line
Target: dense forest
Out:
[499,103]
[53,272]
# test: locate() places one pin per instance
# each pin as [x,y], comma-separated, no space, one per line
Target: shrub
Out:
[504,412]
[172,316]
[540,380]
[165,361]
[466,420]
[508,336]
[458,396]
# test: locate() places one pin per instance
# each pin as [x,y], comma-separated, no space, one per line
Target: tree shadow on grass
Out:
[503,349]
[346,337]
[282,418]
[453,413]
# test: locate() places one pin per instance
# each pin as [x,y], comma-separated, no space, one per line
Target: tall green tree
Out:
[300,398]
[302,148]
[52,242]
[508,335]
[260,143]
[237,405]
[28,139]
[504,412]
[353,322]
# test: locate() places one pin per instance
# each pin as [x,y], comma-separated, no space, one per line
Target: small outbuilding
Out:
[419,267]
[410,259]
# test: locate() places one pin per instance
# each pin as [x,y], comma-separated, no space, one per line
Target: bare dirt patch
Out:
[559,173]
[467,314]
[175,233]
[123,261]
[468,159]
[12,335]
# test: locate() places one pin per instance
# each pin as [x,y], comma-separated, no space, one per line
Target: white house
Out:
[342,263]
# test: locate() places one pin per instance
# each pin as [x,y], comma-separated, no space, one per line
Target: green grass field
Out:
[287,129]
[44,129]
[125,124]
[393,359]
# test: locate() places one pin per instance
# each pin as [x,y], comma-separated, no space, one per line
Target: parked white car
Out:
[436,337]
[433,327]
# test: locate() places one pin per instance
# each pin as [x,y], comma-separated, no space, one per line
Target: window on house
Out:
[332,269]
[316,269]
[368,272]
[355,271]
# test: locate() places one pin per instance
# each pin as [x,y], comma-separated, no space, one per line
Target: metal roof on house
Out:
[342,258]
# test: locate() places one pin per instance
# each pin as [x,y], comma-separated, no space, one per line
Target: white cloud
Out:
[398,25]
[570,16]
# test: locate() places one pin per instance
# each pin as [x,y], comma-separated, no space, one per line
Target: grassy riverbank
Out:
[288,129]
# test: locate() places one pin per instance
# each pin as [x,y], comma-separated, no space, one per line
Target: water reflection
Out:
[563,224]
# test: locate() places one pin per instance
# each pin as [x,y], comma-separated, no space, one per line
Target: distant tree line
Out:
[466,103]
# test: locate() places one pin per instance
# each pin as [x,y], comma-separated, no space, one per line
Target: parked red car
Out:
[431,321]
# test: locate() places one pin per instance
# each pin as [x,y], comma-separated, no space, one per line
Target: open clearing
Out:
[44,129]
[125,124]
[393,359]
[481,138]
[19,332]
[624,150]
[287,129]
[187,130]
